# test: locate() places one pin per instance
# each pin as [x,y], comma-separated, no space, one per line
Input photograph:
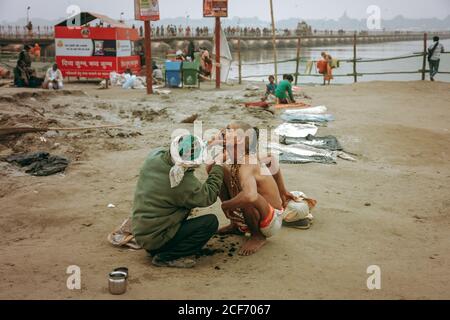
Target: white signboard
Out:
[123,48]
[74,47]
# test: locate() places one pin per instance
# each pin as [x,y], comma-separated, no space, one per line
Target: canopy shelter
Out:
[83,18]
[225,57]
[87,51]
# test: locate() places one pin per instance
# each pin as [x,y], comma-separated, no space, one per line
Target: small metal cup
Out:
[124,270]
[117,282]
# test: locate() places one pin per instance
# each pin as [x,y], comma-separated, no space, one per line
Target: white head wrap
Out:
[184,162]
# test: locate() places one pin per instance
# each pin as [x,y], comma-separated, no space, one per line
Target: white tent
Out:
[225,57]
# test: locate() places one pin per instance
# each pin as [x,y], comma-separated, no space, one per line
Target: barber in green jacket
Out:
[166,192]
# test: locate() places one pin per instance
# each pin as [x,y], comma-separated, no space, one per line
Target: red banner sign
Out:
[93,67]
[146,10]
[215,8]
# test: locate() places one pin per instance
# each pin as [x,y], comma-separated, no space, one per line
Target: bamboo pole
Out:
[217,35]
[274,41]
[355,75]
[148,56]
[298,60]
[239,59]
[23,130]
[424,63]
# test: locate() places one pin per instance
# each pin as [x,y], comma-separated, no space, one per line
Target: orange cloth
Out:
[322,66]
[264,223]
[329,73]
[297,105]
[261,104]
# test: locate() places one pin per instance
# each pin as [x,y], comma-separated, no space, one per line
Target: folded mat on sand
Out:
[293,130]
[297,105]
[305,118]
[39,163]
[327,142]
[261,104]
[312,110]
[300,153]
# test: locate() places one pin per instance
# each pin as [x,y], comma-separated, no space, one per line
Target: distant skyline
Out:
[12,10]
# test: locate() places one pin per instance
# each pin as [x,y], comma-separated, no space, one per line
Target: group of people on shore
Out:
[326,64]
[189,53]
[281,91]
[180,31]
[25,75]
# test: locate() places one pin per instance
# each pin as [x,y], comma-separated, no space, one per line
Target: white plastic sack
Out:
[313,110]
[129,81]
[293,130]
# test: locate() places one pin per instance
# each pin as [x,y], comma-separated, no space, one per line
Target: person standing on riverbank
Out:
[324,67]
[434,57]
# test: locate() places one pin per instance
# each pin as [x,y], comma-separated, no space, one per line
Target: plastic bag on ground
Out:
[304,118]
[312,110]
[296,130]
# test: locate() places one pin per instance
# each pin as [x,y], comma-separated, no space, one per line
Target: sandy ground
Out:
[400,131]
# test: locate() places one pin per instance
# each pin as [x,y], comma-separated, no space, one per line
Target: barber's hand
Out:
[218,139]
[234,217]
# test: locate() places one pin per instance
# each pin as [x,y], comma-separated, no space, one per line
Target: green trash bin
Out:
[190,74]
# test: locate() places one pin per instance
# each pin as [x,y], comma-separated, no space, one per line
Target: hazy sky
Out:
[11,10]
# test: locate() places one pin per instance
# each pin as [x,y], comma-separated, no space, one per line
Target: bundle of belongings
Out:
[39,163]
[126,80]
[123,237]
[297,214]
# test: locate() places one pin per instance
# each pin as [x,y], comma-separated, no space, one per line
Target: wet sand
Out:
[390,208]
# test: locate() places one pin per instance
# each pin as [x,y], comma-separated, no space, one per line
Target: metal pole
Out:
[298,60]
[355,76]
[217,36]
[274,42]
[148,56]
[424,63]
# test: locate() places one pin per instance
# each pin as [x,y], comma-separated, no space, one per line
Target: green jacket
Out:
[283,87]
[158,210]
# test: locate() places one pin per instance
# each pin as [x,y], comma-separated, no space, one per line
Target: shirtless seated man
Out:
[253,197]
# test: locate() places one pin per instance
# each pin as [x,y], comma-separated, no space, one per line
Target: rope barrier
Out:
[360,60]
[392,58]
[348,74]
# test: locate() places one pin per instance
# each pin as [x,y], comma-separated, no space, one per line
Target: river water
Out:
[364,51]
